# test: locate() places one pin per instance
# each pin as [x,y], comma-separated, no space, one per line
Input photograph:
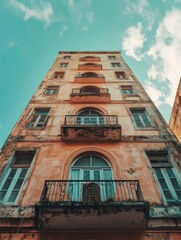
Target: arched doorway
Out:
[90,90]
[91,179]
[90,117]
[89,75]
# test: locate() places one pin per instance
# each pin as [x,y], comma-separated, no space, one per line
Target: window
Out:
[112,57]
[89,90]
[39,118]
[141,118]
[90,117]
[63,65]
[166,175]
[50,90]
[128,90]
[116,64]
[92,168]
[121,75]
[90,75]
[90,58]
[15,175]
[58,75]
[67,57]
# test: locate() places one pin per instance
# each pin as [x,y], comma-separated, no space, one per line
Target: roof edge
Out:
[89,52]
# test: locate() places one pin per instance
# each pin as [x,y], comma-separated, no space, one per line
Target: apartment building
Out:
[91,158]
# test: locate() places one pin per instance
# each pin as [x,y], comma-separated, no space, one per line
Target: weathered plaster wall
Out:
[91,236]
[175,119]
[54,157]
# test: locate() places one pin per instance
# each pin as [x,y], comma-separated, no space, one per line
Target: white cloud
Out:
[133,42]
[42,11]
[81,14]
[63,30]
[140,6]
[154,93]
[166,54]
[143,9]
[90,17]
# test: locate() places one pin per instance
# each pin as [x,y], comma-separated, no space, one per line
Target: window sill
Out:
[146,129]
[36,128]
[130,95]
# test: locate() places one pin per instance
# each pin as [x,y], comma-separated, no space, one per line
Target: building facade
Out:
[91,158]
[175,119]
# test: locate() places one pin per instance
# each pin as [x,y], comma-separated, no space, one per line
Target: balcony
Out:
[89,77]
[100,204]
[90,67]
[90,94]
[90,59]
[91,127]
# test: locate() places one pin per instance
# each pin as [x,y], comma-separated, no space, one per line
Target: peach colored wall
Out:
[92,236]
[53,161]
[54,157]
[175,118]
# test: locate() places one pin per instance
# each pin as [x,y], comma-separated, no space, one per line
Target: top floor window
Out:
[128,90]
[90,59]
[166,175]
[63,65]
[67,57]
[58,75]
[116,64]
[50,90]
[112,57]
[141,118]
[121,75]
[39,118]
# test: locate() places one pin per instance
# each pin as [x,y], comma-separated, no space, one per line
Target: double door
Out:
[91,185]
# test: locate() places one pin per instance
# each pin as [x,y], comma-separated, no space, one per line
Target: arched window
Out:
[89,75]
[89,90]
[90,64]
[90,58]
[95,175]
[90,117]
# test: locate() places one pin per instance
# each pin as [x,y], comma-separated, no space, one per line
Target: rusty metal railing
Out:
[91,191]
[81,92]
[91,120]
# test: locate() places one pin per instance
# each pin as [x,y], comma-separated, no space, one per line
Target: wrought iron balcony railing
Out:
[90,66]
[99,191]
[91,120]
[90,59]
[95,75]
[92,92]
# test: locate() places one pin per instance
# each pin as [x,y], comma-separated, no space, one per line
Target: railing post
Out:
[44,193]
[139,193]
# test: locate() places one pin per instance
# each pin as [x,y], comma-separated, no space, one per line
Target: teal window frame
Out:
[128,90]
[141,118]
[39,118]
[51,90]
[13,179]
[166,176]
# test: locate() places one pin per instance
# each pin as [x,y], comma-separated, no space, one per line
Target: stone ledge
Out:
[165,211]
[17,211]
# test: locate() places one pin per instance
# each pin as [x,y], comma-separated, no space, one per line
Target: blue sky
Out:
[32,32]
